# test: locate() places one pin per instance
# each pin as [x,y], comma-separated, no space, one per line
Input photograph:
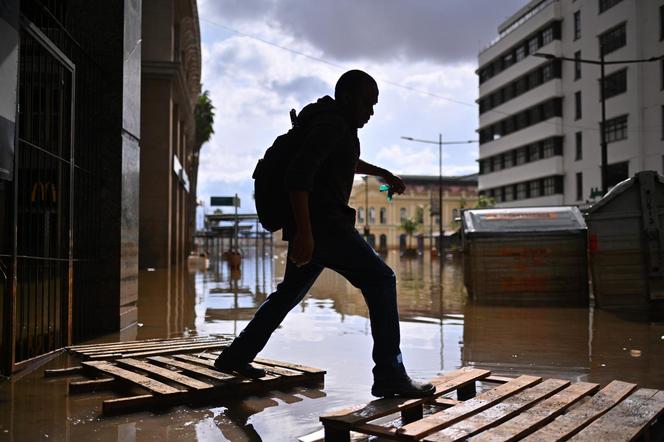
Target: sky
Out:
[262,58]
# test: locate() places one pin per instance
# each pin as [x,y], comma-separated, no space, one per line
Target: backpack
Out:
[272,201]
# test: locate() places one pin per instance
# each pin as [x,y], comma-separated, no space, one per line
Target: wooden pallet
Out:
[523,408]
[183,378]
[149,347]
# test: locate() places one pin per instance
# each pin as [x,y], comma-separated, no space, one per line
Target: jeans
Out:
[348,254]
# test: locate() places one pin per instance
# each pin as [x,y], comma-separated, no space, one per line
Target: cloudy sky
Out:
[263,57]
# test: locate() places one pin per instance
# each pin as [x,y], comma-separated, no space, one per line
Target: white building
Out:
[540,119]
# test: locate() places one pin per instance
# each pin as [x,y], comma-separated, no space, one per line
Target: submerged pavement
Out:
[441,330]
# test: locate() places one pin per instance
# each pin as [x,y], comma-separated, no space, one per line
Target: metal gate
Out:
[43,197]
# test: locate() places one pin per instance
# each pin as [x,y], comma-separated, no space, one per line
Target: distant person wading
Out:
[321,233]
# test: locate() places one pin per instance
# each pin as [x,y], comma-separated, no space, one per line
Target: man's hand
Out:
[302,248]
[395,182]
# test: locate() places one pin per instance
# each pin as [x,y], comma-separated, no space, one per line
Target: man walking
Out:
[322,234]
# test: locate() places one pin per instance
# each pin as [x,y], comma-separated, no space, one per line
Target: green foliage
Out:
[409,226]
[204,117]
[485,202]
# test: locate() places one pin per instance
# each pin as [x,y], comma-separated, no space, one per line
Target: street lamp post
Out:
[602,91]
[440,144]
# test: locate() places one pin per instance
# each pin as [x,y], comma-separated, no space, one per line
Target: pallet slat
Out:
[165,373]
[499,412]
[445,418]
[382,407]
[627,420]
[539,415]
[135,378]
[570,423]
[191,368]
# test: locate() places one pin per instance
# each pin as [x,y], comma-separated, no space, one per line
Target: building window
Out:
[402,214]
[615,83]
[455,214]
[521,156]
[496,163]
[534,188]
[534,152]
[577,65]
[547,36]
[579,186]
[579,146]
[360,215]
[577,25]
[521,191]
[533,45]
[520,53]
[548,148]
[616,129]
[508,159]
[607,4]
[383,215]
[508,60]
[616,173]
[577,105]
[614,38]
[509,193]
[372,215]
[549,186]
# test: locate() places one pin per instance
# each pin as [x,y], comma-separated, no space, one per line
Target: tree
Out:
[409,225]
[485,202]
[204,122]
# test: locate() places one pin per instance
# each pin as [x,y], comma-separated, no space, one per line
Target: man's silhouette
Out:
[322,234]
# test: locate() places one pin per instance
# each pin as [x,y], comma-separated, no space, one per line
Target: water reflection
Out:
[441,330]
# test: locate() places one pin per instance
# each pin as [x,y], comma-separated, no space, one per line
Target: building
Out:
[70,132]
[171,83]
[418,202]
[77,98]
[540,118]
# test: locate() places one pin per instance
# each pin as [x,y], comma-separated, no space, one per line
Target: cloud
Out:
[447,32]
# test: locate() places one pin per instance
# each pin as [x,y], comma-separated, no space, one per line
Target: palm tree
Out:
[204,119]
[409,225]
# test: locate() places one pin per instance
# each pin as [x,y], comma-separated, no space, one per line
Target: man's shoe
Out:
[404,387]
[242,368]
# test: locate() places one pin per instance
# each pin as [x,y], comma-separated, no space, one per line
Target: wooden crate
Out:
[523,408]
[159,380]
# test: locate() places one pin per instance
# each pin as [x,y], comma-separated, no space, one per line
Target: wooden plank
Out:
[627,420]
[144,347]
[134,378]
[445,418]
[195,360]
[497,379]
[138,344]
[538,415]
[573,421]
[500,412]
[124,404]
[352,416]
[55,372]
[92,385]
[165,351]
[165,373]
[192,368]
[290,366]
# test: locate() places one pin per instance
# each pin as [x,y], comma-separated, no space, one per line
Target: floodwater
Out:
[441,330]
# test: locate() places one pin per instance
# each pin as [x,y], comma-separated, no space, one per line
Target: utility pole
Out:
[440,143]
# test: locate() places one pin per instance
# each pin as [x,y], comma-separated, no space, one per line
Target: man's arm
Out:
[365,168]
[303,242]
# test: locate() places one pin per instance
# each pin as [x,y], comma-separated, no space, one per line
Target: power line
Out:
[403,86]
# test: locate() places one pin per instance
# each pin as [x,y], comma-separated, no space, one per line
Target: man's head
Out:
[356,93]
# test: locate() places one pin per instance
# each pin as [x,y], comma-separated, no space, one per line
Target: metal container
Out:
[626,242]
[528,254]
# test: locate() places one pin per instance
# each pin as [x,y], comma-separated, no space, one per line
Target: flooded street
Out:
[441,331]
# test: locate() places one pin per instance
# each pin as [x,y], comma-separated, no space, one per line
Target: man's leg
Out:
[349,255]
[295,285]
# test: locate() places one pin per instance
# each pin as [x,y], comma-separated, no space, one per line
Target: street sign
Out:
[225,201]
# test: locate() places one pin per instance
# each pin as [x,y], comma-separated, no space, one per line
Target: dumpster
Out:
[626,244]
[526,254]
